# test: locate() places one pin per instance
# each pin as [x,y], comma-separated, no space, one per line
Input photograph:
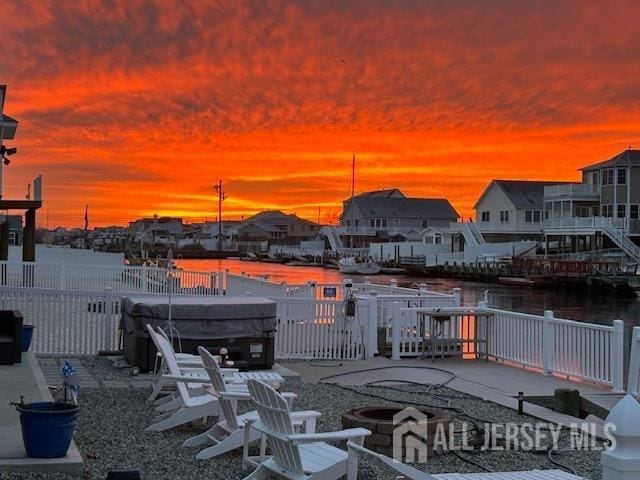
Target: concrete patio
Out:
[26,380]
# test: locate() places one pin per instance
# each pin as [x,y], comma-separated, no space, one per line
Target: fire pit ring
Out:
[380,421]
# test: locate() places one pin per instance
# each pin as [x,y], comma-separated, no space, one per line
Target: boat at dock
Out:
[349,265]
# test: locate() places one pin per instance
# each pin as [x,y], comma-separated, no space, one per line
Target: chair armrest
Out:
[289,395]
[231,395]
[187,378]
[237,387]
[299,438]
[305,414]
[229,371]
[189,362]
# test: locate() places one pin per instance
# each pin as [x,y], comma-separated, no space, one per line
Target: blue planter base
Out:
[47,428]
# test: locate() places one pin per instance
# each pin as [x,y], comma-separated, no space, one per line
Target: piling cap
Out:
[626,417]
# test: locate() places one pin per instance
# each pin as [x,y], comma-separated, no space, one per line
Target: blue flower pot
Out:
[47,428]
[27,335]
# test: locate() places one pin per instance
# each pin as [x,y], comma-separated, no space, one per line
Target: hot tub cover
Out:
[200,317]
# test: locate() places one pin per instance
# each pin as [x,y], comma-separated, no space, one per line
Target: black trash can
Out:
[245,326]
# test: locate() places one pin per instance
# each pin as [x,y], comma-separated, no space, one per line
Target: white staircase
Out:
[332,234]
[470,232]
[618,237]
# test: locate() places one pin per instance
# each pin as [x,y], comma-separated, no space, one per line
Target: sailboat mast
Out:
[353,175]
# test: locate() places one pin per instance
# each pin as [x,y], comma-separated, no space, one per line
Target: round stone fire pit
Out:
[380,421]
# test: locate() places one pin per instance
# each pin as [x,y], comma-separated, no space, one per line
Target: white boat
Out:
[350,266]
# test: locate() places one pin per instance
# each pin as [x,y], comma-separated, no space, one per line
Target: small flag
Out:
[70,382]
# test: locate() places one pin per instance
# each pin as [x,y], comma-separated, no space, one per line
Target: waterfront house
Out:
[385,215]
[156,230]
[603,211]
[512,210]
[270,227]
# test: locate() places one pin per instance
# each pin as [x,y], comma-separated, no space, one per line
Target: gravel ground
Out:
[110,431]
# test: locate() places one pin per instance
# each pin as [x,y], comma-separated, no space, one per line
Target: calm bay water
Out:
[570,304]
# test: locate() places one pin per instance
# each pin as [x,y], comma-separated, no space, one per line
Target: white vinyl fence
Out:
[319,329]
[122,278]
[66,322]
[573,349]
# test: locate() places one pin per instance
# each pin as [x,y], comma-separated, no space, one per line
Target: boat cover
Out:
[200,317]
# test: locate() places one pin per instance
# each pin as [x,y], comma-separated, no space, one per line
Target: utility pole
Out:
[221,197]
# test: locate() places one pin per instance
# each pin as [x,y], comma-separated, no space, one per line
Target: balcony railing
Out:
[584,222]
[374,230]
[572,190]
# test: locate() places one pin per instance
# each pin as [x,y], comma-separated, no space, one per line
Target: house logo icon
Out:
[410,436]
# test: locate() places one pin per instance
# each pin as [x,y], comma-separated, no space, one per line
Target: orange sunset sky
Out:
[136,108]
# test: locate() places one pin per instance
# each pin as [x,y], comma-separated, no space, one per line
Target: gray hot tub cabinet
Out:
[244,325]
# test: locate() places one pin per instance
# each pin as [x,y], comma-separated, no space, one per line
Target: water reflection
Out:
[573,305]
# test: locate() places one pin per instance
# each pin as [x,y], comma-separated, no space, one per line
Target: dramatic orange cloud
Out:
[137,108]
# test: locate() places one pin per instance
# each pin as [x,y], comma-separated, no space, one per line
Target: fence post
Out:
[108,319]
[422,287]
[548,343]
[457,296]
[622,460]
[617,356]
[63,276]
[396,327]
[213,283]
[143,282]
[372,326]
[394,284]
[634,363]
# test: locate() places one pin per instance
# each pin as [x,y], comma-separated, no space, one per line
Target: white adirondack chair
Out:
[296,456]
[189,404]
[228,433]
[161,383]
[409,472]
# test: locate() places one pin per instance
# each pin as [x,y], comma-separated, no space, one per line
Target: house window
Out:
[633,212]
[437,239]
[348,223]
[607,176]
[425,223]
[504,216]
[622,176]
[485,216]
[622,208]
[533,216]
[378,222]
[607,210]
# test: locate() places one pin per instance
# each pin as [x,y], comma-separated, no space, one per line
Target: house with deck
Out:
[601,212]
[389,215]
[512,210]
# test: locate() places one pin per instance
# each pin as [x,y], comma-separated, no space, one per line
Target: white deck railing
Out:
[67,322]
[573,349]
[318,329]
[122,278]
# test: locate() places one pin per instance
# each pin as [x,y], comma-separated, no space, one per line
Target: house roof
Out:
[276,217]
[403,207]
[522,193]
[388,193]
[628,157]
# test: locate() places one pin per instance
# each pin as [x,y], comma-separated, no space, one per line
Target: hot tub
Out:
[245,326]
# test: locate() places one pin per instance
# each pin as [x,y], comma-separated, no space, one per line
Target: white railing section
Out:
[67,322]
[556,346]
[319,329]
[123,278]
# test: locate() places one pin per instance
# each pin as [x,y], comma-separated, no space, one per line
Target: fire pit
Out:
[380,421]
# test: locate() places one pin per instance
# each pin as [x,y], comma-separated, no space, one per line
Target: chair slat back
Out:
[227,406]
[168,355]
[275,415]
